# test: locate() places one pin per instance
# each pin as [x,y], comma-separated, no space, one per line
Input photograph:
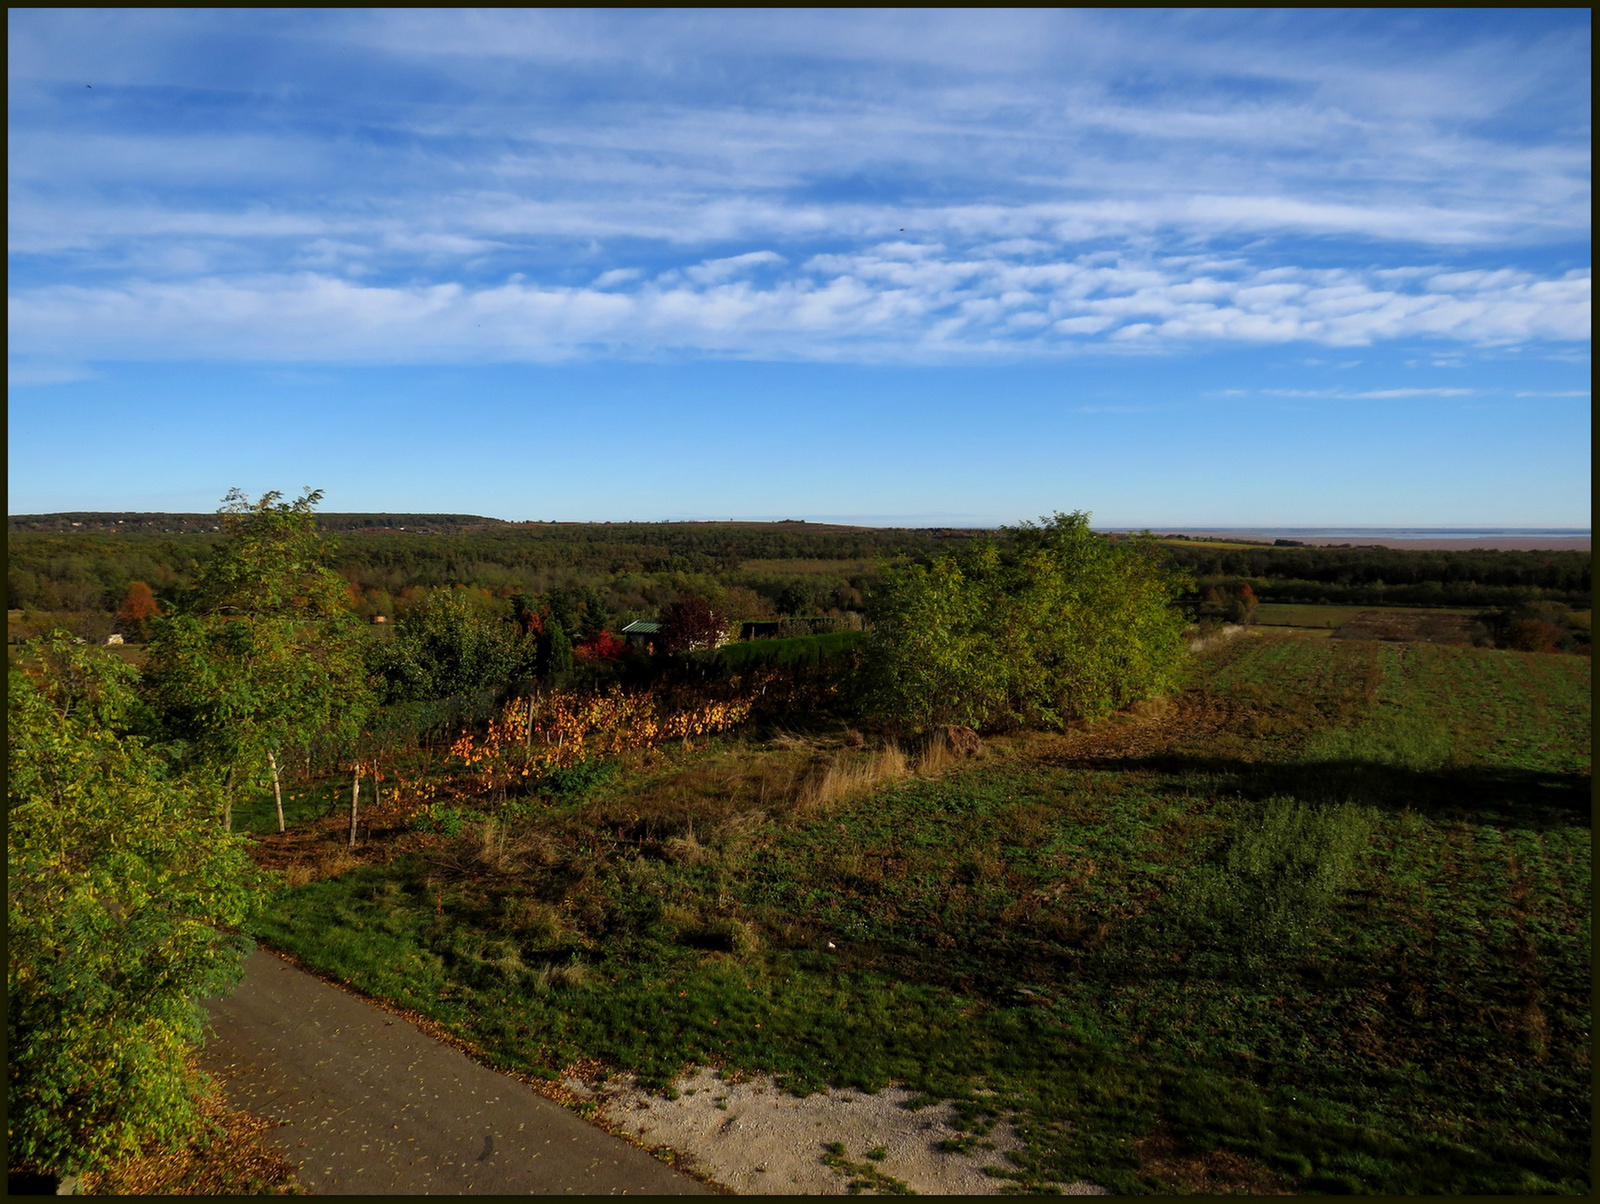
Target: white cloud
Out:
[867,306]
[1368,394]
[863,185]
[714,271]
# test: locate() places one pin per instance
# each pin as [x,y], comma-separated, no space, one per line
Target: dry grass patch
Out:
[845,777]
[686,849]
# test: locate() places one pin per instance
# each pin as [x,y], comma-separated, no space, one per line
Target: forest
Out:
[80,575]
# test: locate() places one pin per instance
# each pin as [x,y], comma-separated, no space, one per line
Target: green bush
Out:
[1055,624]
[801,650]
[576,779]
[446,821]
[447,647]
[124,900]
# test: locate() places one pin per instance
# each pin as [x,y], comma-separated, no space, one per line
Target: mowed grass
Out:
[1326,928]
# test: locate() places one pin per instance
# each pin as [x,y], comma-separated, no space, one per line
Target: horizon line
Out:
[910,521]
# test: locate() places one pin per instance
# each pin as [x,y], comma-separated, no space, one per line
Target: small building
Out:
[113,638]
[642,634]
[377,619]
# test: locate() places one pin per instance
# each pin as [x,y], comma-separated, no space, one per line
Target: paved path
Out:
[368,1104]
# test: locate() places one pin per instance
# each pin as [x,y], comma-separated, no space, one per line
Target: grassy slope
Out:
[1329,920]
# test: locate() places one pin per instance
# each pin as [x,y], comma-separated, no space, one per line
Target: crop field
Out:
[1320,922]
[1295,614]
[1311,614]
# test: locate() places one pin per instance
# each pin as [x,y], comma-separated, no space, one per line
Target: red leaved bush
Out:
[603,646]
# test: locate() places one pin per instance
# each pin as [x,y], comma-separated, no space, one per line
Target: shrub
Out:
[602,647]
[1534,635]
[1055,625]
[555,652]
[445,647]
[577,779]
[123,902]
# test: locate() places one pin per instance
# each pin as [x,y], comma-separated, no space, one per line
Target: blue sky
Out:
[1171,268]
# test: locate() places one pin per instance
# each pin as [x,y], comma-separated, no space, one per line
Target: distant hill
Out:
[174,524]
[124,521]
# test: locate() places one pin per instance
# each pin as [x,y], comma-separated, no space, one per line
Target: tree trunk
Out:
[527,736]
[355,802]
[277,787]
[377,790]
[227,801]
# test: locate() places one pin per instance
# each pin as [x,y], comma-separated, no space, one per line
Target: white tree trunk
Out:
[355,802]
[277,787]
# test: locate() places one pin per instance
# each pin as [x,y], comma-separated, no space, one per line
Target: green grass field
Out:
[1298,614]
[799,650]
[1327,920]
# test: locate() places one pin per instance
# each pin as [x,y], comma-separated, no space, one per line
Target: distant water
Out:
[1327,533]
[1432,539]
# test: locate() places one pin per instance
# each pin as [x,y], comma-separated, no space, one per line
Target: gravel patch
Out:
[756,1138]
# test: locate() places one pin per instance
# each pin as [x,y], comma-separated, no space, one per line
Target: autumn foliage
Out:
[564,727]
[604,646]
[138,607]
[691,625]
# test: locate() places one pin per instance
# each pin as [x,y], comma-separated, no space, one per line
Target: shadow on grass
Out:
[1502,797]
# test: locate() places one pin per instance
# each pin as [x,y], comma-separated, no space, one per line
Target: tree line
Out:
[638,566]
[1562,570]
[630,570]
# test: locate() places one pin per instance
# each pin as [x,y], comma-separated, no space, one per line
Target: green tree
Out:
[263,652]
[123,905]
[932,656]
[555,652]
[1054,624]
[595,616]
[448,646]
[1243,604]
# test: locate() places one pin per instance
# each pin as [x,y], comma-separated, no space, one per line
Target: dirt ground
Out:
[1427,626]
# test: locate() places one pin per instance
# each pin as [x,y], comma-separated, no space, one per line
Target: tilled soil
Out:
[1423,626]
